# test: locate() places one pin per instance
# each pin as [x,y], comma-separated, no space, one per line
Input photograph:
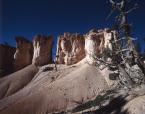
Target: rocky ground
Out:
[50,90]
[80,88]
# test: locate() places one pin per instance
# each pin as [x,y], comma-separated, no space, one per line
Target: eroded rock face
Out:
[6,59]
[23,54]
[70,48]
[96,42]
[42,50]
[98,47]
[93,45]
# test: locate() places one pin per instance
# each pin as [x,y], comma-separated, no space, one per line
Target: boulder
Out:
[70,48]
[23,54]
[42,50]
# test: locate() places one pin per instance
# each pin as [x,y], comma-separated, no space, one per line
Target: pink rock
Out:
[23,54]
[42,50]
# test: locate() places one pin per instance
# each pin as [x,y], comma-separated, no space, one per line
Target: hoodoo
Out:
[23,54]
[42,50]
[70,48]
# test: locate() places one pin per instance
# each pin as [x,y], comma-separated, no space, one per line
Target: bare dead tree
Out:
[125,48]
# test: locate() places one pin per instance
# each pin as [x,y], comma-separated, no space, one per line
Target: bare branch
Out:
[135,7]
[112,2]
[111,12]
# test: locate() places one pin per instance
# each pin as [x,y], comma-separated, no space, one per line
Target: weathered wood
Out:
[124,77]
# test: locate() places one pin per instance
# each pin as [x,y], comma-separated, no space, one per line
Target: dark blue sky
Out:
[29,17]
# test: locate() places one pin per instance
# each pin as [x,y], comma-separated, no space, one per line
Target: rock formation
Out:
[6,59]
[71,89]
[93,45]
[96,42]
[70,48]
[23,54]
[42,50]
[98,47]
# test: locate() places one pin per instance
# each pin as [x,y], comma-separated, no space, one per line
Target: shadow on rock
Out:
[115,106]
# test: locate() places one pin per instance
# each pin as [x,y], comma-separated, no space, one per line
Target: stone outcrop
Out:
[42,50]
[93,45]
[97,47]
[23,54]
[70,48]
[96,42]
[6,59]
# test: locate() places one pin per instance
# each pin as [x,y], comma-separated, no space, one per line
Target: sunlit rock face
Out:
[98,46]
[96,42]
[23,54]
[42,50]
[70,48]
[6,59]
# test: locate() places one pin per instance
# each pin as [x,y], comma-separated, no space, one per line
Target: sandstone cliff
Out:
[70,48]
[6,59]
[23,54]
[42,50]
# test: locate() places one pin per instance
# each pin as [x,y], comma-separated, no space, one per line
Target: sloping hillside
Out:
[16,81]
[54,91]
